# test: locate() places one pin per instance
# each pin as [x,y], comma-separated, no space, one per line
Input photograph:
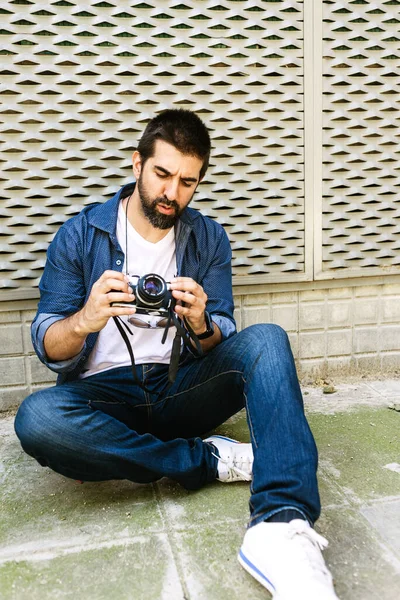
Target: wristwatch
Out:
[210,328]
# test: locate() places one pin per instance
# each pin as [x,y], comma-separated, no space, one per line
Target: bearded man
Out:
[116,411]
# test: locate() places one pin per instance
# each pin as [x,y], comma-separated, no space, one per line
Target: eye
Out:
[187,184]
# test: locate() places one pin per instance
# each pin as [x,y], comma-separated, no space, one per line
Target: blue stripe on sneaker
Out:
[223,437]
[246,560]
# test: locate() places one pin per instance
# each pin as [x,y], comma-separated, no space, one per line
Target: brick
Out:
[365,311]
[391,289]
[390,309]
[294,343]
[26,336]
[252,316]
[366,339]
[339,342]
[12,371]
[284,298]
[369,363]
[10,316]
[237,299]
[286,317]
[237,314]
[391,361]
[312,345]
[389,338]
[12,397]
[29,315]
[312,295]
[339,313]
[340,293]
[340,365]
[312,316]
[367,290]
[39,372]
[256,300]
[11,339]
[312,369]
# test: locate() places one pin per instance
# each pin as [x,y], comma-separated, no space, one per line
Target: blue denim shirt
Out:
[86,246]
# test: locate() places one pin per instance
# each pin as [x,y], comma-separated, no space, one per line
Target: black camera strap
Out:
[186,334]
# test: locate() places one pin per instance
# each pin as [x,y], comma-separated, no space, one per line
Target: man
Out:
[101,423]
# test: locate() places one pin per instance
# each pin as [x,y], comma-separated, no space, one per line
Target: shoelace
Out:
[301,527]
[234,470]
[308,535]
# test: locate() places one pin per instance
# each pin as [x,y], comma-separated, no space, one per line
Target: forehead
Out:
[169,158]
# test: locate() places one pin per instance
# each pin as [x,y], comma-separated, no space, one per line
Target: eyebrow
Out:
[166,172]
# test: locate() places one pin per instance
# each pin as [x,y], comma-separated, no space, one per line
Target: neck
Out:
[138,220]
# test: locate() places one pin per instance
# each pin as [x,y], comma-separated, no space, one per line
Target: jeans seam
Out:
[245,397]
[249,418]
[200,384]
[148,403]
[147,371]
[119,402]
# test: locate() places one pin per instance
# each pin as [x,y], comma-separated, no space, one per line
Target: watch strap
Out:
[209,328]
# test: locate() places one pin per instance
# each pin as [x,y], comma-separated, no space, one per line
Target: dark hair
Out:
[182,129]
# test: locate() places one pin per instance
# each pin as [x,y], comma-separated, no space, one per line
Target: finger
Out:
[118,297]
[192,288]
[185,283]
[106,285]
[186,297]
[119,311]
[182,310]
[190,312]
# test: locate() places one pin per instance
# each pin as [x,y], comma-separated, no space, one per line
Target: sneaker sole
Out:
[256,573]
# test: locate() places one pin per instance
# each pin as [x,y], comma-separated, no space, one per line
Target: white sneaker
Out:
[235,460]
[286,558]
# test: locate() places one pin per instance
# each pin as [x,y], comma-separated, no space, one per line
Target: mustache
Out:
[166,202]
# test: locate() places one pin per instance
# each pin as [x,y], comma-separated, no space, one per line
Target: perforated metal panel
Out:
[361,108]
[79,82]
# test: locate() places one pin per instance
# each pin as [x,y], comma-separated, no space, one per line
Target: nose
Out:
[171,189]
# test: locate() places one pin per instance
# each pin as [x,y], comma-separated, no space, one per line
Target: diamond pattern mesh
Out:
[79,82]
[361,205]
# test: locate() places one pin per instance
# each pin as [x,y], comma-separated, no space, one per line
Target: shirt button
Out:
[118,262]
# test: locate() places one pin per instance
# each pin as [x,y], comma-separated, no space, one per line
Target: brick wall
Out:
[333,331]
[349,330]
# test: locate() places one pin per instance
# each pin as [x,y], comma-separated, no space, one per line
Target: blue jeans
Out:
[106,427]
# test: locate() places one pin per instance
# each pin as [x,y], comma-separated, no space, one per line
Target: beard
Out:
[149,207]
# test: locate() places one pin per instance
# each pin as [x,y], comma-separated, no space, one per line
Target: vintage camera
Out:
[152,295]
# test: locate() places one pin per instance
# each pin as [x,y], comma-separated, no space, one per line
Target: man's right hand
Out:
[97,310]
[65,338]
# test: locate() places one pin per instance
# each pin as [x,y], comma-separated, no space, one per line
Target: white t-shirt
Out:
[144,257]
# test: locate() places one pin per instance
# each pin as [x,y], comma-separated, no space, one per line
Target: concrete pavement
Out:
[63,540]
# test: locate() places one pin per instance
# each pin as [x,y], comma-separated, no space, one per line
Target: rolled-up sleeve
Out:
[226,326]
[62,293]
[217,283]
[38,330]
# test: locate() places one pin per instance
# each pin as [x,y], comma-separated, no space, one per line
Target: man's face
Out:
[166,184]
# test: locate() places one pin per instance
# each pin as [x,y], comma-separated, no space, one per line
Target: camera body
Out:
[152,295]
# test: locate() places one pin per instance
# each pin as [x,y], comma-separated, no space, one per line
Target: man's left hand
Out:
[194,298]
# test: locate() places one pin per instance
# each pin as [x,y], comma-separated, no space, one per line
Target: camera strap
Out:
[182,334]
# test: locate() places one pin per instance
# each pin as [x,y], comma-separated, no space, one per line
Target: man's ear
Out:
[136,164]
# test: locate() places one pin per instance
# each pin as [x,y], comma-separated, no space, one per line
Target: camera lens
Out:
[152,286]
[151,290]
